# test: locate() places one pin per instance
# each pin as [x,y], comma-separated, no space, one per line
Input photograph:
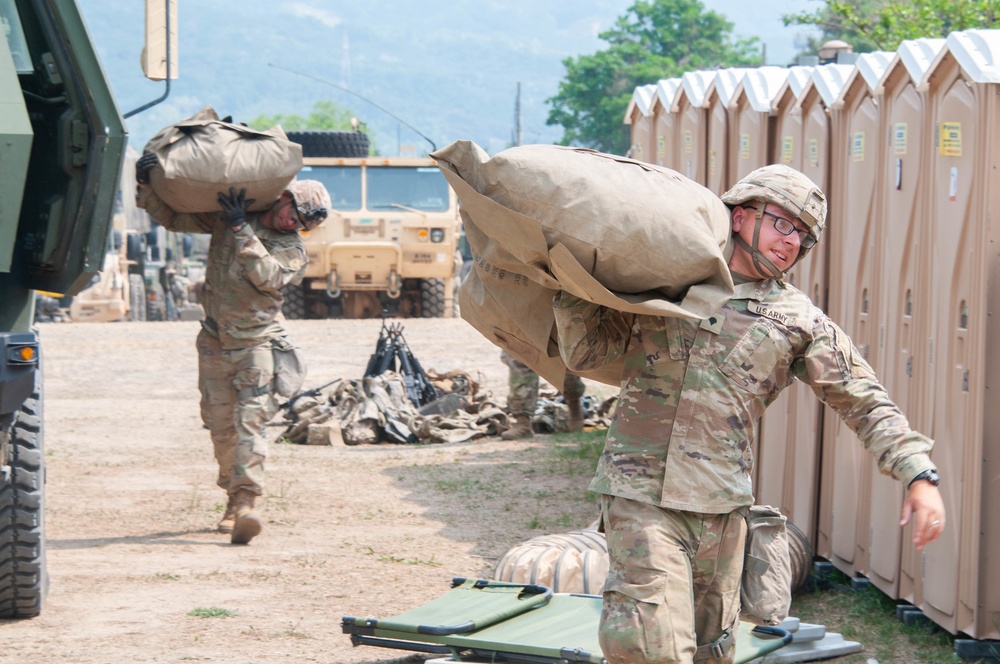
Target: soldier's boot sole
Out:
[226,524]
[246,528]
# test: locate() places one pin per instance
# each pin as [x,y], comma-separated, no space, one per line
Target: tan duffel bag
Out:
[201,156]
[618,232]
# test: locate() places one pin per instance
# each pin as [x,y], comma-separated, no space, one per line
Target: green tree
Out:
[655,39]
[325,116]
[882,24]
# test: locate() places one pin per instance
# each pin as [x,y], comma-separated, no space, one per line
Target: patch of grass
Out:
[409,561]
[213,612]
[868,616]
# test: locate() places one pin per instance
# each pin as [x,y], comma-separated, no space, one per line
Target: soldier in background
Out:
[674,477]
[251,258]
[522,398]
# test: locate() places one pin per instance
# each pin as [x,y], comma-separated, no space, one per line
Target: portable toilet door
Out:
[691,111]
[718,96]
[665,123]
[853,302]
[750,117]
[638,116]
[786,140]
[806,412]
[788,460]
[961,577]
[905,295]
[756,117]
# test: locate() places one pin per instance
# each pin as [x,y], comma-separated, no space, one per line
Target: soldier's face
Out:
[284,217]
[782,250]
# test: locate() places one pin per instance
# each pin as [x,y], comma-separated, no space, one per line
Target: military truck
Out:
[390,242]
[63,140]
[118,291]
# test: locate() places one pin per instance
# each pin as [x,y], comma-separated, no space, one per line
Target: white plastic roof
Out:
[830,80]
[667,90]
[798,77]
[727,81]
[695,85]
[872,67]
[918,56]
[761,86]
[642,97]
[978,53]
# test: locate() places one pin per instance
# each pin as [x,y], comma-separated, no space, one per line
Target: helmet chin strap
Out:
[763,265]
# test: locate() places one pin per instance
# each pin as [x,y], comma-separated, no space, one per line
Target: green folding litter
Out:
[479,620]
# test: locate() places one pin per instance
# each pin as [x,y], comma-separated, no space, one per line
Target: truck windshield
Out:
[11,22]
[399,187]
[343,183]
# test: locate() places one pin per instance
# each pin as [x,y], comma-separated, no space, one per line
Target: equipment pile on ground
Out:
[397,401]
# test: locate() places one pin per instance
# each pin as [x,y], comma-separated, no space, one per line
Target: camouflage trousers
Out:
[236,404]
[673,587]
[522,395]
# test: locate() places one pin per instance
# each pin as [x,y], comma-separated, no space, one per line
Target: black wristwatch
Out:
[929,475]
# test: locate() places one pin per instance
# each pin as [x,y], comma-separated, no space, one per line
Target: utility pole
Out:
[517,116]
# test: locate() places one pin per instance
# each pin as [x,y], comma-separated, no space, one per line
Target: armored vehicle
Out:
[63,140]
[390,242]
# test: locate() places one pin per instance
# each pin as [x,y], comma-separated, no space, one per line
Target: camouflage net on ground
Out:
[375,410]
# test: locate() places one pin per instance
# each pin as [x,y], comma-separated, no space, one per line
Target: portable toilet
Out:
[751,115]
[961,577]
[905,294]
[718,96]
[691,110]
[786,466]
[638,116]
[665,123]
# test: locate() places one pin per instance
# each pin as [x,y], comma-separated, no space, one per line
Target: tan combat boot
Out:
[247,524]
[229,518]
[520,427]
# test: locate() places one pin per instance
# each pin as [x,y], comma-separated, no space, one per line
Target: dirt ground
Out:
[370,531]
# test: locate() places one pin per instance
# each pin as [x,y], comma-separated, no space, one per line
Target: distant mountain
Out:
[448,69]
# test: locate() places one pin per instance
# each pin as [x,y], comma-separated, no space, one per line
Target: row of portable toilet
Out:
[906,145]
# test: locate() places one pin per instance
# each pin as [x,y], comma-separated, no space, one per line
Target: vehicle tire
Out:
[346,144]
[136,297]
[24,580]
[432,298]
[294,304]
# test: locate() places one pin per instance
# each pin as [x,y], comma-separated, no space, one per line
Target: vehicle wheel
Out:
[346,144]
[24,580]
[136,297]
[294,304]
[432,298]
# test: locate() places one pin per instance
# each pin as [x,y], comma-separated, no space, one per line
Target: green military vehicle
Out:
[390,243]
[63,141]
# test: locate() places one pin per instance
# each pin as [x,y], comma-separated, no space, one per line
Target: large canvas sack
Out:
[625,234]
[201,156]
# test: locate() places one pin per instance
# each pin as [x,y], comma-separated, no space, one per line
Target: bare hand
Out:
[924,503]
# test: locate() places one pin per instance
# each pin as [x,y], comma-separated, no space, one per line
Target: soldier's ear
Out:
[738,216]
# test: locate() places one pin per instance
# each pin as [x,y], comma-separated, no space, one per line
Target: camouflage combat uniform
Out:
[522,397]
[244,274]
[677,460]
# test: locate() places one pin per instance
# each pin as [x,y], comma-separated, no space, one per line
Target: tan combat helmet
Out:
[312,202]
[790,190]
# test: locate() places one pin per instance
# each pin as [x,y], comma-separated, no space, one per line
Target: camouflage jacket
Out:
[244,274]
[693,391]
